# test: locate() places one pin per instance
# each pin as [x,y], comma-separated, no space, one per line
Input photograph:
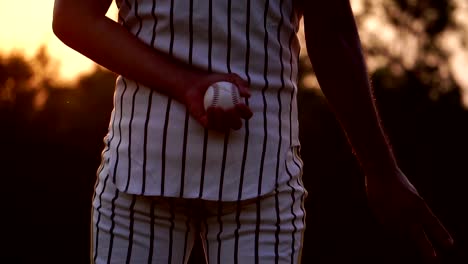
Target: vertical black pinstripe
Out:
[236,232]
[265,105]
[120,130]
[210,34]
[297,157]
[297,150]
[106,149]
[293,192]
[148,110]
[257,231]
[130,229]
[171,46]
[207,245]
[218,236]
[295,161]
[226,137]
[164,143]
[293,198]
[168,109]
[220,194]
[111,231]
[278,219]
[303,196]
[171,230]
[184,154]
[140,24]
[293,235]
[129,169]
[103,154]
[186,123]
[155,19]
[202,176]
[96,246]
[152,223]
[205,136]
[228,59]
[299,182]
[121,110]
[246,138]
[188,209]
[191,34]
[291,39]
[292,96]
[103,163]
[145,141]
[265,128]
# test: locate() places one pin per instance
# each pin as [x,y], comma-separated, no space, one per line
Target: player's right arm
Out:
[83,26]
[334,48]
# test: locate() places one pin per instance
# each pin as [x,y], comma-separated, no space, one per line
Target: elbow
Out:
[65,24]
[72,28]
[60,26]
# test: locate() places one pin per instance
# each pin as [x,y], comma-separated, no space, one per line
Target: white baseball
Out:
[222,94]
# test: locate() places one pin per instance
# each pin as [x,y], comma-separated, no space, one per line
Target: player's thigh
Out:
[266,230]
[136,229]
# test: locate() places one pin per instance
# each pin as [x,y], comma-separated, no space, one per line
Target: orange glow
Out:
[27,25]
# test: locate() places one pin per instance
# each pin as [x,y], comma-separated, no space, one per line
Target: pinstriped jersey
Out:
[154,147]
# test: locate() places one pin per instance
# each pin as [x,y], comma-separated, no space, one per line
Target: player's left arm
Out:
[83,26]
[334,48]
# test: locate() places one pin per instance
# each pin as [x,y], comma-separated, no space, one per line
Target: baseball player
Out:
[172,170]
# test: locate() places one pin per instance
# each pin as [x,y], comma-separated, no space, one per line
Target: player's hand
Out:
[401,210]
[217,118]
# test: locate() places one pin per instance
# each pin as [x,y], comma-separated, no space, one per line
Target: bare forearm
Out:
[341,71]
[83,26]
[112,46]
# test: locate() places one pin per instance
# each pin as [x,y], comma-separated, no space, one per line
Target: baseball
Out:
[222,94]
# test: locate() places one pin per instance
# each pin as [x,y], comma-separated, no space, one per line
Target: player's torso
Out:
[219,35]
[156,148]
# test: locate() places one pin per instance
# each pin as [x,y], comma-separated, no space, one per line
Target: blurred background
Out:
[55,106]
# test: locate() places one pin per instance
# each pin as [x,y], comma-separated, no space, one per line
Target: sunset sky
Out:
[26,25]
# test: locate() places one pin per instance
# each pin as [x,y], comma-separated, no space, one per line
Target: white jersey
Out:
[156,148]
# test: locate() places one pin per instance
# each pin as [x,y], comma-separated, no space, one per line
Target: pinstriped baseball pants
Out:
[129,228]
